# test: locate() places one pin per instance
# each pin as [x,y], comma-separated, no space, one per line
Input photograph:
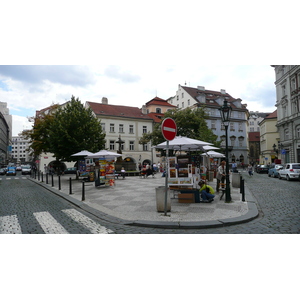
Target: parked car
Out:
[273,171]
[262,169]
[11,171]
[70,170]
[26,170]
[290,171]
[19,168]
[2,171]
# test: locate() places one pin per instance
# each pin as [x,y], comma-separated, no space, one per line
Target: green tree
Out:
[66,130]
[73,129]
[190,123]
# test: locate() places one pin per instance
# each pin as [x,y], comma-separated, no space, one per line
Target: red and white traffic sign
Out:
[169,129]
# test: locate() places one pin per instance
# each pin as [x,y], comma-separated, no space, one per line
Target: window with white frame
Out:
[103,127]
[213,124]
[286,134]
[121,128]
[232,126]
[182,104]
[111,145]
[145,147]
[144,129]
[240,115]
[131,145]
[240,126]
[111,127]
[158,110]
[131,129]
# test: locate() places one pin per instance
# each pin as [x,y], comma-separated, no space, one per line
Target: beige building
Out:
[269,137]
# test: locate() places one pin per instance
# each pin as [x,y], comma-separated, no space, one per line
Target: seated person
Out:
[206,191]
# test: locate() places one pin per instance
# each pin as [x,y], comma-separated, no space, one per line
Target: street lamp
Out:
[225,112]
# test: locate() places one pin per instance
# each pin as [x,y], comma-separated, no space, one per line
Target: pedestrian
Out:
[158,166]
[221,174]
[123,172]
[234,167]
[207,193]
[250,170]
[154,167]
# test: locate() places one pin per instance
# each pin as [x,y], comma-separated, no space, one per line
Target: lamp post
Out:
[225,112]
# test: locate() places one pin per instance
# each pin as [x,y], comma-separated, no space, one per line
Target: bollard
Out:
[70,186]
[242,190]
[83,191]
[38,175]
[59,184]
[52,180]
[42,177]
[47,181]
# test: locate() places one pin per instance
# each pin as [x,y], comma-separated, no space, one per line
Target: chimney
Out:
[223,92]
[144,110]
[104,100]
[201,88]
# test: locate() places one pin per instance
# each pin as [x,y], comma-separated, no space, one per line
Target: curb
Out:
[249,216]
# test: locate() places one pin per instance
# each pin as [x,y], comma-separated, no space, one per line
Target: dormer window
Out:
[158,110]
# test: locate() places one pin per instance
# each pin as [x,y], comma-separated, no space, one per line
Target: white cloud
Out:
[20,124]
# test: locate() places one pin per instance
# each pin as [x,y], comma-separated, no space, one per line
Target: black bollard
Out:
[59,184]
[38,175]
[70,186]
[47,181]
[52,181]
[83,191]
[243,189]
[42,177]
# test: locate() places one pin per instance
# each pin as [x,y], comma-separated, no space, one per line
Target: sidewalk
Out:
[132,201]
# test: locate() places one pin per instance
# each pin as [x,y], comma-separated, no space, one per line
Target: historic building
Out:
[5,133]
[19,151]
[288,111]
[212,101]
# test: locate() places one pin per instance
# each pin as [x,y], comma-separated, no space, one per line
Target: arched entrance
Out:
[146,162]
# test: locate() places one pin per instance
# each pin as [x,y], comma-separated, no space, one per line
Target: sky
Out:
[131,53]
[27,88]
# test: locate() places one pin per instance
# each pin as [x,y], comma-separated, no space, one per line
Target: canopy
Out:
[183,143]
[82,153]
[207,148]
[104,153]
[213,154]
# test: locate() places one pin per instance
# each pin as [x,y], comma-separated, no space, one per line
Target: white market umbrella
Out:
[105,154]
[213,154]
[183,143]
[82,153]
[207,148]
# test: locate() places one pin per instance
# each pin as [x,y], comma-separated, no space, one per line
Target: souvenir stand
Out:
[86,170]
[183,178]
[105,171]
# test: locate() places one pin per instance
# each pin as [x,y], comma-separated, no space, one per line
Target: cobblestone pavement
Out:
[28,208]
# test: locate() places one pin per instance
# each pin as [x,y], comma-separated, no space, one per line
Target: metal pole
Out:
[83,192]
[227,188]
[47,178]
[59,184]
[52,180]
[166,178]
[70,186]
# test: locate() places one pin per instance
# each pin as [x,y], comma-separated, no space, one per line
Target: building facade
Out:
[288,111]
[5,134]
[19,152]
[212,101]
[269,137]
[124,126]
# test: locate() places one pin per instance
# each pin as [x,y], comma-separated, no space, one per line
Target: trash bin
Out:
[236,180]
[160,199]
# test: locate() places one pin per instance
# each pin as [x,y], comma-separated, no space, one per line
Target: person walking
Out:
[250,170]
[220,174]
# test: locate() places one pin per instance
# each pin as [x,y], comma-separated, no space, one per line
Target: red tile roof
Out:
[273,115]
[254,136]
[211,95]
[117,111]
[159,101]
[156,117]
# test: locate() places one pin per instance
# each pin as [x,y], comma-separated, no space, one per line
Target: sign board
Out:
[169,129]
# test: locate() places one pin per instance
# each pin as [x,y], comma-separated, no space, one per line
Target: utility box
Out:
[236,180]
[160,199]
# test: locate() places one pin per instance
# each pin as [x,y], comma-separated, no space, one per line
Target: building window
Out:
[121,128]
[213,124]
[158,110]
[145,147]
[298,132]
[232,126]
[103,127]
[111,145]
[182,95]
[240,126]
[144,129]
[189,102]
[286,135]
[131,129]
[283,90]
[240,115]
[182,104]
[112,128]
[131,145]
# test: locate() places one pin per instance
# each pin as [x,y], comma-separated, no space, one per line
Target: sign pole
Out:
[166,176]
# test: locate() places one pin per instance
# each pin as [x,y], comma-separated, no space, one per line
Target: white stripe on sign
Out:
[49,224]
[86,221]
[169,129]
[10,224]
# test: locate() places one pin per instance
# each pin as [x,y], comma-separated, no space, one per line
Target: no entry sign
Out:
[169,129]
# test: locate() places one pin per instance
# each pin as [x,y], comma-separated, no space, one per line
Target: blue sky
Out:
[130,52]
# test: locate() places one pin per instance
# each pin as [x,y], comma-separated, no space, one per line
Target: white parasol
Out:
[213,154]
[82,153]
[105,154]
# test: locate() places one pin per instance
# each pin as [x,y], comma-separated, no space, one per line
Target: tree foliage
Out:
[190,123]
[69,129]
